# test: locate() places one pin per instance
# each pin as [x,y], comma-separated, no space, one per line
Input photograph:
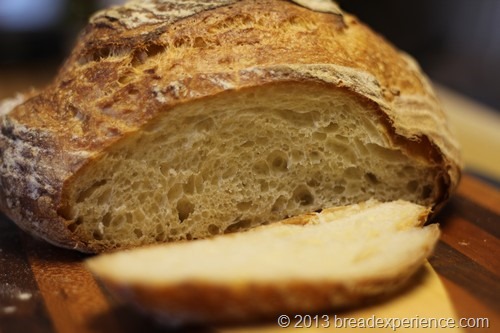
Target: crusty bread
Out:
[179,119]
[308,264]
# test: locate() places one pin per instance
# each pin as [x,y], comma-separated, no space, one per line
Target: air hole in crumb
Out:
[225,60]
[199,42]
[342,138]
[407,170]
[371,178]
[104,197]
[125,78]
[160,237]
[140,56]
[175,192]
[315,156]
[189,236]
[184,209]
[155,49]
[213,229]
[352,173]
[297,155]
[279,204]
[264,186]
[338,189]
[182,41]
[412,186]
[229,173]
[138,233]
[261,168]
[106,219]
[136,186]
[244,205]
[101,53]
[278,161]
[90,190]
[303,195]
[132,91]
[118,220]
[97,235]
[72,227]
[319,136]
[189,186]
[313,182]
[426,191]
[238,225]
[198,183]
[164,169]
[142,196]
[332,127]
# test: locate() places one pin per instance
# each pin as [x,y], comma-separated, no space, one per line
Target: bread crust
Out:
[234,304]
[154,55]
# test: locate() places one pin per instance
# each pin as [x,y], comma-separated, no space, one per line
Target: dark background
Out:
[457,42]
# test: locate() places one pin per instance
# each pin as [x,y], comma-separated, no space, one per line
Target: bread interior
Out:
[241,159]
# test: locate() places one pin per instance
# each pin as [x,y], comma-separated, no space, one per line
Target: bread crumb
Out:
[463,243]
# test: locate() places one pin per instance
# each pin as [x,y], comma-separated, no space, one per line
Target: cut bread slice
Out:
[316,262]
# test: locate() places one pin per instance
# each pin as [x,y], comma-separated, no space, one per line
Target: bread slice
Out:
[308,264]
[178,120]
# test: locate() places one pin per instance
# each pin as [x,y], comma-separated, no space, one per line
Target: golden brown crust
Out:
[229,304]
[135,62]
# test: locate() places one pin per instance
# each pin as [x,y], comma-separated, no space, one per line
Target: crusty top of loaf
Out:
[180,50]
[134,62]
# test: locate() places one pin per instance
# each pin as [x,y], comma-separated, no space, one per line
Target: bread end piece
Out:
[312,263]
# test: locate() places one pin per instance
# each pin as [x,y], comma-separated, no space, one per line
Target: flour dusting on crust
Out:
[136,13]
[9,104]
[325,6]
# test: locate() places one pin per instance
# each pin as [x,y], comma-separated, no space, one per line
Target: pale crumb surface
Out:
[241,160]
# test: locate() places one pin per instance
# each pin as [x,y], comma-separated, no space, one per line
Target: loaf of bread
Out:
[308,264]
[177,120]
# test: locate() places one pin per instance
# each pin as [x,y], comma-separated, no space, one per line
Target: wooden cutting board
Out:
[47,289]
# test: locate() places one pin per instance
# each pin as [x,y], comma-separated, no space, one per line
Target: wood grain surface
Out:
[44,289]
